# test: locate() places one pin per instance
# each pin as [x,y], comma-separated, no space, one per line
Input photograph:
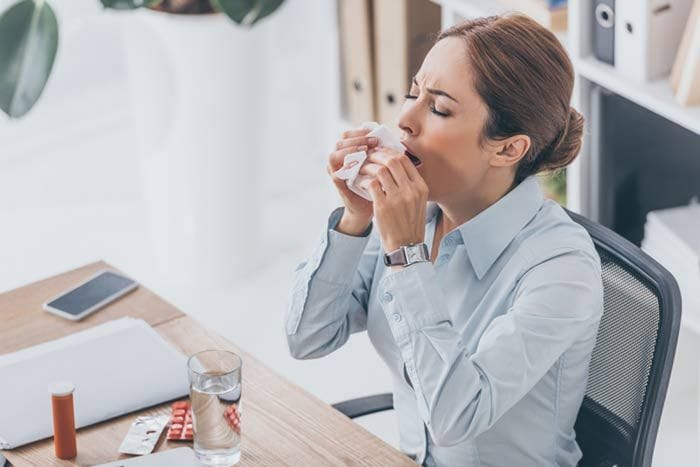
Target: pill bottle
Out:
[64,438]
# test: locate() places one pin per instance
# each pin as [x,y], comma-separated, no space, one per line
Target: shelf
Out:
[472,8]
[478,8]
[656,95]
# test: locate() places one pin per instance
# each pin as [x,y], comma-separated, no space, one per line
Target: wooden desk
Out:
[283,424]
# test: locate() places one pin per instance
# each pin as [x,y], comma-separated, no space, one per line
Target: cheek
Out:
[458,152]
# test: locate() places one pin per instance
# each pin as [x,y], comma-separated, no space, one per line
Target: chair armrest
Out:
[361,406]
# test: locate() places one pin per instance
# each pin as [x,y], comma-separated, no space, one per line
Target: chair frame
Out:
[665,287]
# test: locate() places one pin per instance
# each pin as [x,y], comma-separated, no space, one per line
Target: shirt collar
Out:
[487,235]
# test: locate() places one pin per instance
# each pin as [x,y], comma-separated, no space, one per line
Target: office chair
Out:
[631,362]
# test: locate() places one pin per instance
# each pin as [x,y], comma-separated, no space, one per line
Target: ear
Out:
[511,150]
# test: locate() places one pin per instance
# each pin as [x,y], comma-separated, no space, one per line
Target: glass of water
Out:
[215,396]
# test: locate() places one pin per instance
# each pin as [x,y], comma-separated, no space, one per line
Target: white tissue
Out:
[353,162]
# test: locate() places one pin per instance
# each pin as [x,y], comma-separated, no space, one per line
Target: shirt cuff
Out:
[342,253]
[412,299]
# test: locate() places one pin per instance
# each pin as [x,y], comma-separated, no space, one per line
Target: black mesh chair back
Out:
[631,361]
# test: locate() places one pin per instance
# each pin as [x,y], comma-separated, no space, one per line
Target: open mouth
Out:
[415,159]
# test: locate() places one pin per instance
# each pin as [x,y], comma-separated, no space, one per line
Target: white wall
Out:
[76,149]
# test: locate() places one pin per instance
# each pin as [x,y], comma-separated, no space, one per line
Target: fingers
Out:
[411,170]
[386,179]
[374,189]
[395,162]
[337,158]
[340,183]
[342,186]
[382,173]
[369,141]
[378,172]
[355,132]
[351,141]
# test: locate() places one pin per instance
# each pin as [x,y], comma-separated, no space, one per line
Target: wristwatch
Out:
[407,255]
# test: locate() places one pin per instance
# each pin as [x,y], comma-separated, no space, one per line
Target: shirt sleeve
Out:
[460,394]
[330,292]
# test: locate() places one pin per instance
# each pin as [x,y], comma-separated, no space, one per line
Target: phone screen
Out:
[91,293]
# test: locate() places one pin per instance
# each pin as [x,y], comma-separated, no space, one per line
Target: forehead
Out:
[446,67]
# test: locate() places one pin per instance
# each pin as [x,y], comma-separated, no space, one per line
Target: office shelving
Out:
[656,95]
[679,426]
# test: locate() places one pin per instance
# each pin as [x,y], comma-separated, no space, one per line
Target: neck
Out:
[465,206]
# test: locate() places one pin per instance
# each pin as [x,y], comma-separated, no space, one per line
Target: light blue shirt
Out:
[488,348]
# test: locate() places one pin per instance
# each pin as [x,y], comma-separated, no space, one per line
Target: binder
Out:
[647,36]
[685,76]
[604,30]
[680,59]
[357,75]
[404,32]
[689,84]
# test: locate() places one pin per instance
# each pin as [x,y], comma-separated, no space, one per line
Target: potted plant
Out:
[193,78]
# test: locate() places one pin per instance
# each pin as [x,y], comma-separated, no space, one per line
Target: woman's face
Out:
[442,120]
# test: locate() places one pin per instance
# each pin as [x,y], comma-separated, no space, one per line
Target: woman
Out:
[488,341]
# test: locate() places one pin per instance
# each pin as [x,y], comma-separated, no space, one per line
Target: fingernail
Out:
[362,148]
[372,140]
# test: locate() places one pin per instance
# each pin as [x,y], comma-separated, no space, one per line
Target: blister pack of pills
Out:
[143,435]
[180,422]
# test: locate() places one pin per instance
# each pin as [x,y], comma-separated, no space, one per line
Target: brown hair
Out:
[525,78]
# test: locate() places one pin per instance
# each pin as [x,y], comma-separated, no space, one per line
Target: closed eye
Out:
[432,107]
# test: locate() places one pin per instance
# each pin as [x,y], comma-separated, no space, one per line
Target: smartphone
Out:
[91,295]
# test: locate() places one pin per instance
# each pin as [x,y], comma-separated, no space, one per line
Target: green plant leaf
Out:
[237,10]
[28,44]
[267,7]
[127,4]
[247,12]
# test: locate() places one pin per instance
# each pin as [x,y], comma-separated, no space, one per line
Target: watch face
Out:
[412,255]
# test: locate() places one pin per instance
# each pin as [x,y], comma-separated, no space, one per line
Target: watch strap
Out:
[395,258]
[407,255]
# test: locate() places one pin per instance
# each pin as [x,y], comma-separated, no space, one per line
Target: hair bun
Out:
[566,145]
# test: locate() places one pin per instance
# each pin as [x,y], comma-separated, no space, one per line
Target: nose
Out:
[408,119]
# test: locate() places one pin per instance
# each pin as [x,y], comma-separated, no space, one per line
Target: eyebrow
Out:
[437,92]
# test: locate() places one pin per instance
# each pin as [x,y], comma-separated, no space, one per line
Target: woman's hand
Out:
[358,211]
[400,196]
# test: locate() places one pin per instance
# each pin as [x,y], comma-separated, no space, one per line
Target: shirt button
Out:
[397,317]
[449,241]
[387,297]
